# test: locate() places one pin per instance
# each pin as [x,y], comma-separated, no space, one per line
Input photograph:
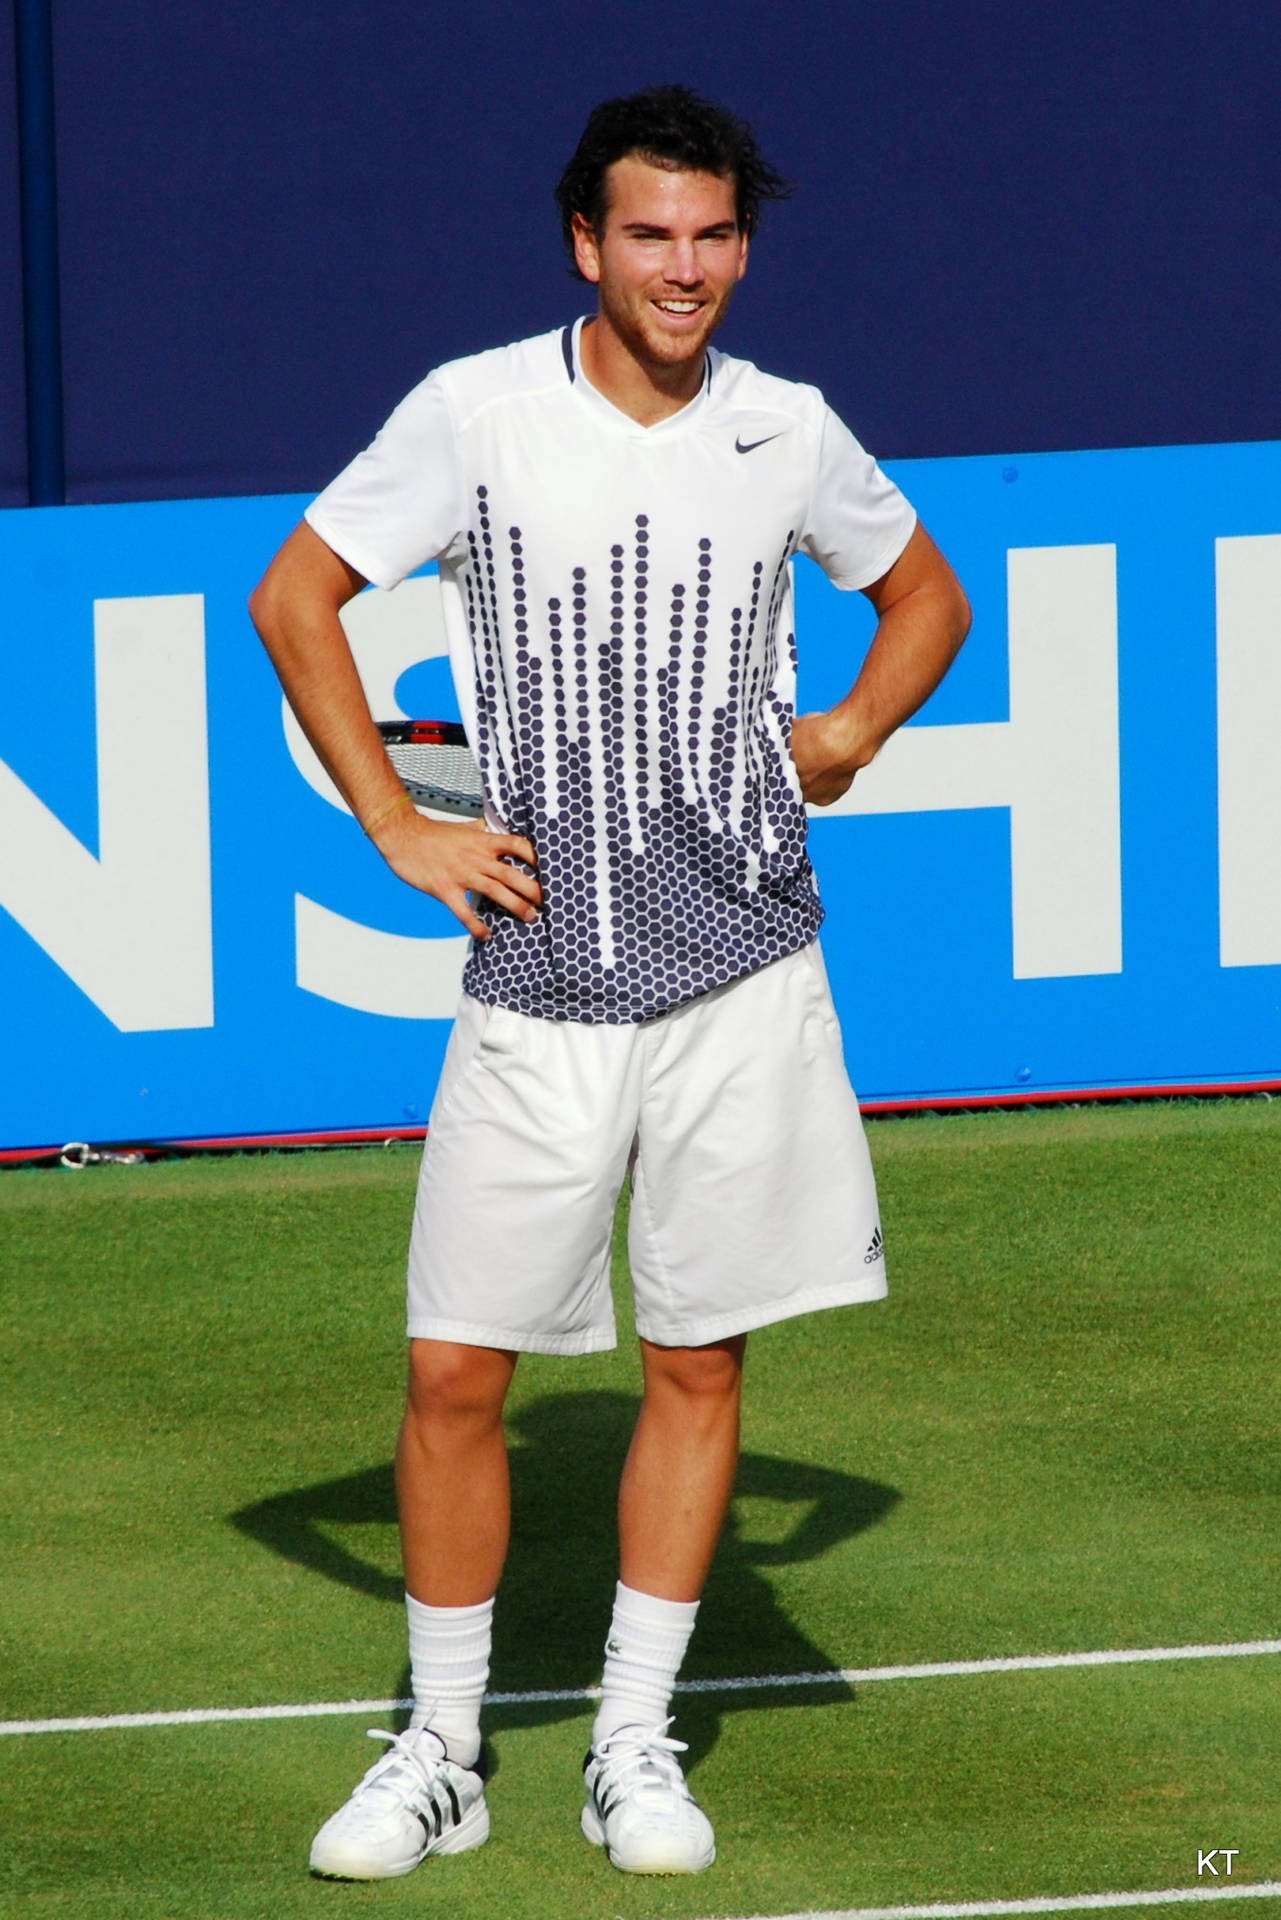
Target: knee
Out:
[700,1376]
[456,1385]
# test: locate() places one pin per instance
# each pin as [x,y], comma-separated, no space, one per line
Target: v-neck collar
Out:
[571,350]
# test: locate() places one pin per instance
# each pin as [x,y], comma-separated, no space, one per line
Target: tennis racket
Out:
[435,765]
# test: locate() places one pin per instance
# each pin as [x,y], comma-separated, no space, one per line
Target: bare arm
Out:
[295,609]
[924,617]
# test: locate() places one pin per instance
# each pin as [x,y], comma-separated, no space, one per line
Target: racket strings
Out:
[438,774]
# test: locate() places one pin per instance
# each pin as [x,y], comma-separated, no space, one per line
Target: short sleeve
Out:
[399,502]
[859,522]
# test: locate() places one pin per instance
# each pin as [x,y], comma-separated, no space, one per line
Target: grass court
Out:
[1059,1435]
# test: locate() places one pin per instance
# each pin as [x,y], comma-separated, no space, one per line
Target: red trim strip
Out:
[921,1103]
[1069,1096]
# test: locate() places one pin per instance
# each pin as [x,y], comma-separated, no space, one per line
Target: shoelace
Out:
[403,1751]
[651,1751]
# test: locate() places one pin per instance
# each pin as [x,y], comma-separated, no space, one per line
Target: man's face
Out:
[667,262]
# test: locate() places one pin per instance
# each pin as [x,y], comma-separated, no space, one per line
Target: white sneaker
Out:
[639,1806]
[412,1802]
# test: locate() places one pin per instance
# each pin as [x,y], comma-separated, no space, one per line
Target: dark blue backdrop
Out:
[1018,226]
[13,452]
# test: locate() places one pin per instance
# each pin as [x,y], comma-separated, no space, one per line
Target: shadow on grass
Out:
[566,1454]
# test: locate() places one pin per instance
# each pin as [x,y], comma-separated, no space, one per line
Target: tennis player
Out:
[614,507]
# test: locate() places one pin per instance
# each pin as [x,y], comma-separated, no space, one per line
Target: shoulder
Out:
[522,369]
[740,386]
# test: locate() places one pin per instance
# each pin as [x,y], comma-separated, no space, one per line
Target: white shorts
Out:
[752,1190]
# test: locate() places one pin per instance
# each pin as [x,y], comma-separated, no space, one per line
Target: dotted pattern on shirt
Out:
[604,752]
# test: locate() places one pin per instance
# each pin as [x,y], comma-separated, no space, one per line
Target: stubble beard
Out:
[660,353]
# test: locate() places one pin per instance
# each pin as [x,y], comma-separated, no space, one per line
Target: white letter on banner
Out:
[1055,763]
[132,928]
[396,974]
[1249,668]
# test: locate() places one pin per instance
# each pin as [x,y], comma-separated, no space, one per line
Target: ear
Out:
[742,258]
[586,248]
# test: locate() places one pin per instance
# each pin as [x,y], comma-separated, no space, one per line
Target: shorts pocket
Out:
[467,1047]
[820,991]
[501,1034]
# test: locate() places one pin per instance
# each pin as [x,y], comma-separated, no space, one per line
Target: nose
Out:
[682,266]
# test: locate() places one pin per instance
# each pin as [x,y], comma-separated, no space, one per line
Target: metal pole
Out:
[41,303]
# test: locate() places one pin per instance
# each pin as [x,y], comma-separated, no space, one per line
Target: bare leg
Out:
[452,1483]
[680,1468]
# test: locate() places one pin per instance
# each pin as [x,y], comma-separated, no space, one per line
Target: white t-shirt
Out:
[618,601]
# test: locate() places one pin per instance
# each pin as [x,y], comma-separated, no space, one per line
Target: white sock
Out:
[449,1665]
[643,1654]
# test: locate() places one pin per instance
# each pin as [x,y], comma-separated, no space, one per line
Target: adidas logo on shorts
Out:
[876,1249]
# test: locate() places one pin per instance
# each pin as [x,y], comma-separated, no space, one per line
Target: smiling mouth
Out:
[678,307]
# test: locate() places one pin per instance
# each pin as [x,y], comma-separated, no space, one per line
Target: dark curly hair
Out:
[675,128]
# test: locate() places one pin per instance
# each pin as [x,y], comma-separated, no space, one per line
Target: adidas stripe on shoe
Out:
[412,1802]
[639,1807]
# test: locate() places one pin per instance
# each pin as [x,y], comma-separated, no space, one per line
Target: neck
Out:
[646,392]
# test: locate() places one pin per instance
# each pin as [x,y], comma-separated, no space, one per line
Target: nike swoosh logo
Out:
[752,445]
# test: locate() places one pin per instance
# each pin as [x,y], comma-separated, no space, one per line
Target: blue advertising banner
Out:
[1065,874]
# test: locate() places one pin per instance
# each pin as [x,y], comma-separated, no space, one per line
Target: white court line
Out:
[850,1676]
[1074,1903]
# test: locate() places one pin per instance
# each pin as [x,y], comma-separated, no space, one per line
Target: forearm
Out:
[324,690]
[923,616]
[295,611]
[915,643]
